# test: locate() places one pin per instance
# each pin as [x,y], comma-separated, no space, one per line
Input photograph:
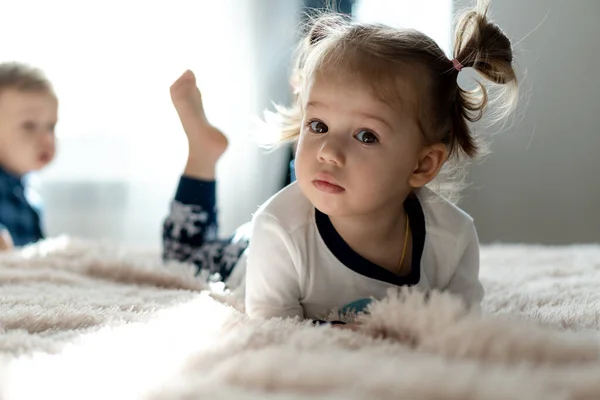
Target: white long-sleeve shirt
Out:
[298,265]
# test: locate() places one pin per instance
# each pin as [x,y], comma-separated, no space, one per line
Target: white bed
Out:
[86,320]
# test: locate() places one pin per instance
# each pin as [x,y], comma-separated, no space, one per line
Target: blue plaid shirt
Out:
[18,212]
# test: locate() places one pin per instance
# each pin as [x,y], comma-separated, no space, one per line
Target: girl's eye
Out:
[318,127]
[366,137]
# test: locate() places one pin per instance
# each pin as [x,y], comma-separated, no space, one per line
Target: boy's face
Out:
[27,121]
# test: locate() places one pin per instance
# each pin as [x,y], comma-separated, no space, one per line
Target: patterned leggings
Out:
[190,231]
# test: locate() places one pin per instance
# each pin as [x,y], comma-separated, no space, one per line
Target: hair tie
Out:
[457,65]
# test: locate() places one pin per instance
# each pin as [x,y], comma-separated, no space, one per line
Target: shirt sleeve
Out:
[465,281]
[272,279]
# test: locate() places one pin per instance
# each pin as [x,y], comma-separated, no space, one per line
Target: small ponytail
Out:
[480,44]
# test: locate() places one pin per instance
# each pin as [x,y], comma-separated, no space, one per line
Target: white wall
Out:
[542,184]
[432,17]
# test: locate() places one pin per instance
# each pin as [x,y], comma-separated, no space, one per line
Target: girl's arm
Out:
[465,281]
[272,280]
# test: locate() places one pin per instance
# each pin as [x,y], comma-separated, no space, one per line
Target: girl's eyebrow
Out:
[377,118]
[318,104]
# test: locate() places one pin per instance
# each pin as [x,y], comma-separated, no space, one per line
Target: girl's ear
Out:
[430,162]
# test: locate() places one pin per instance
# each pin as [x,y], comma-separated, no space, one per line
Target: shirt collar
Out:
[10,180]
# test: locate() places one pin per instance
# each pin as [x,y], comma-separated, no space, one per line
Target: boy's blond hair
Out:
[23,77]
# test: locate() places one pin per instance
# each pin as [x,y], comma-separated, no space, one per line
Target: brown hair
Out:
[19,76]
[384,57]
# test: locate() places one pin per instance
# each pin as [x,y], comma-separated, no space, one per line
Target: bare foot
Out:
[206,143]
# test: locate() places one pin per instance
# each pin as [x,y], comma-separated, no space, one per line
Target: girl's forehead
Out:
[389,80]
[325,88]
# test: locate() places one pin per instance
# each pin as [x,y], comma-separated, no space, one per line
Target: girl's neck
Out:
[366,231]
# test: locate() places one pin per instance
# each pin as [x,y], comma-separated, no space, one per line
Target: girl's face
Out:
[356,155]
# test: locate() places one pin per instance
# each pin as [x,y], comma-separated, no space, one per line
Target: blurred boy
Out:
[28,115]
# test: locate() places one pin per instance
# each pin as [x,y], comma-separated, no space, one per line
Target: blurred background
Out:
[121,149]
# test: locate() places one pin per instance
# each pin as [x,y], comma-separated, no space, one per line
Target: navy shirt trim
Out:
[351,259]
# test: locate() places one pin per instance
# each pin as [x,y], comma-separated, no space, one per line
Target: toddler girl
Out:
[378,113]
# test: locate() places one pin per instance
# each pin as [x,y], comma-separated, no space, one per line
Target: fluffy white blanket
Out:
[81,320]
